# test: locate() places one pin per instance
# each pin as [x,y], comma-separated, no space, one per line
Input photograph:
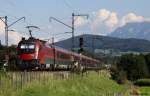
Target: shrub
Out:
[131,67]
[147,59]
[134,65]
[118,75]
[142,82]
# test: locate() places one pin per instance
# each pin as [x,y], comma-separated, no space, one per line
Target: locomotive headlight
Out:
[23,46]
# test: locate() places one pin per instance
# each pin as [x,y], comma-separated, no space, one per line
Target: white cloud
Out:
[100,22]
[101,16]
[112,20]
[1,27]
[13,37]
[80,21]
[131,17]
[105,21]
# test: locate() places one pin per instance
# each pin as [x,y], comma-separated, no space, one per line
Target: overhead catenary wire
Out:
[9,2]
[10,17]
[12,4]
[70,7]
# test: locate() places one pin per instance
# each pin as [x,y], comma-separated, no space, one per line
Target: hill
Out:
[106,42]
[140,30]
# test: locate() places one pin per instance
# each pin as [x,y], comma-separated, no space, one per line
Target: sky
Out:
[104,16]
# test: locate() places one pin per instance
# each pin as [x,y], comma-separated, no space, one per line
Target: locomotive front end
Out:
[28,54]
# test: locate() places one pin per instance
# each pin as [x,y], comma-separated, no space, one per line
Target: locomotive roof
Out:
[31,40]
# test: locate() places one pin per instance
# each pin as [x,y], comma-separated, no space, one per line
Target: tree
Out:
[147,59]
[11,51]
[134,65]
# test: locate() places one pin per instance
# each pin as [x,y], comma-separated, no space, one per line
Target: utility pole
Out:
[72,27]
[73,22]
[53,46]
[73,32]
[6,31]
[53,18]
[5,21]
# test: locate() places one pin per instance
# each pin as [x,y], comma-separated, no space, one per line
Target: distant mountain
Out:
[106,42]
[140,30]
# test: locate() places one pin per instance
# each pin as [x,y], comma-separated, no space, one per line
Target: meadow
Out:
[91,84]
[145,91]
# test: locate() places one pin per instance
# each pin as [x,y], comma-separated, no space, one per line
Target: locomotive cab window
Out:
[31,46]
[27,48]
[23,46]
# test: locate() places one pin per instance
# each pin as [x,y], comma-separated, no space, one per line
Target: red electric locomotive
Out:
[38,54]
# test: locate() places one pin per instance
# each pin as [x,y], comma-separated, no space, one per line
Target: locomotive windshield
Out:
[26,48]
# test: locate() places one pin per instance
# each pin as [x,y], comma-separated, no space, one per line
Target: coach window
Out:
[50,51]
[62,55]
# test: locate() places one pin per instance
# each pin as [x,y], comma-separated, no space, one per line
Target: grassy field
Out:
[92,84]
[145,91]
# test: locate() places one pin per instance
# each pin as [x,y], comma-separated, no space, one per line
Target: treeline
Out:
[131,67]
[11,53]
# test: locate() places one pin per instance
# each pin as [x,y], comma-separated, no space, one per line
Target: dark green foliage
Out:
[147,59]
[12,63]
[2,56]
[133,67]
[118,75]
[11,51]
[142,82]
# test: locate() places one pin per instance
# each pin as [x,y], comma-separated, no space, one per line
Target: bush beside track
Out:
[142,82]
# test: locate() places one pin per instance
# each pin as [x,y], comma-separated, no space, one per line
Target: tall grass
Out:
[5,85]
[92,84]
[145,91]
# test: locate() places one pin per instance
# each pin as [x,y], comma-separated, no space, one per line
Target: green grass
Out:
[91,85]
[144,88]
[145,91]
[5,85]
[142,82]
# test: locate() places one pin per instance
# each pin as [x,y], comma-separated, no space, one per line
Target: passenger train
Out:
[35,54]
